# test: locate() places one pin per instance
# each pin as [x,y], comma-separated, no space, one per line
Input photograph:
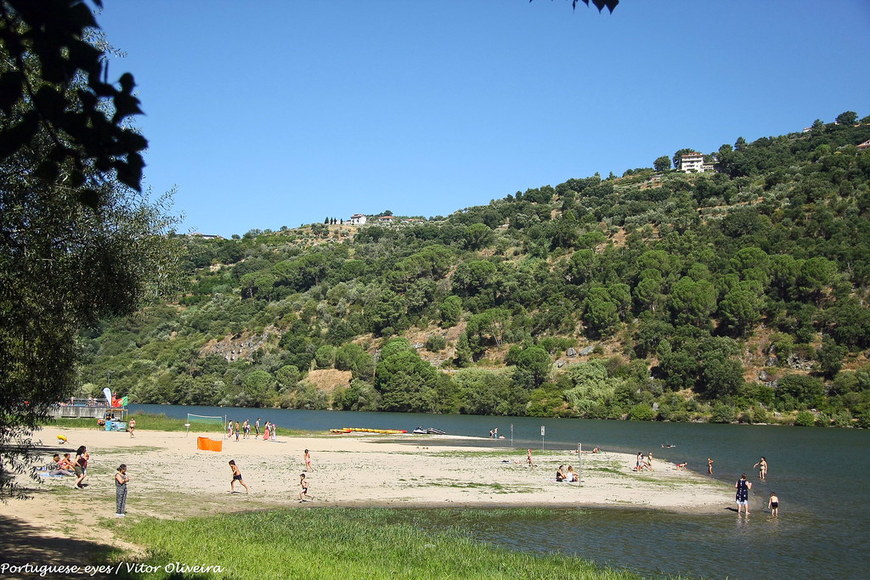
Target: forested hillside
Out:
[735,295]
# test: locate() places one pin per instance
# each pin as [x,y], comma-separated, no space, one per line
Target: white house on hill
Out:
[357,219]
[692,162]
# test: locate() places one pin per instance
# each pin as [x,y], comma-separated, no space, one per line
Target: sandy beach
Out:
[171,478]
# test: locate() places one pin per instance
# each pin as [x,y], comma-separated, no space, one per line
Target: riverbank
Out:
[172,479]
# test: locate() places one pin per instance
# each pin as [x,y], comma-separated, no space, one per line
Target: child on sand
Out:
[773,504]
[121,480]
[307,458]
[303,483]
[237,476]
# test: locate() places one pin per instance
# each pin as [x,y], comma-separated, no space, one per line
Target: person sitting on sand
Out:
[596,450]
[237,476]
[560,473]
[67,463]
[54,467]
[571,475]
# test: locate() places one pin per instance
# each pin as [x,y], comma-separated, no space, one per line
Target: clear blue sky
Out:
[270,113]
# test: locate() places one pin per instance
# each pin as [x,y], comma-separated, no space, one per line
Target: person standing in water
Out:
[773,504]
[709,466]
[762,468]
[743,488]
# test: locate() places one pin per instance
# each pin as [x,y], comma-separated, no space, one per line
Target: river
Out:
[820,476]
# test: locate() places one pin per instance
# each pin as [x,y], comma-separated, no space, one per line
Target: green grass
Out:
[343,543]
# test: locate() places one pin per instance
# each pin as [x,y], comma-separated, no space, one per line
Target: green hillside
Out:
[734,295]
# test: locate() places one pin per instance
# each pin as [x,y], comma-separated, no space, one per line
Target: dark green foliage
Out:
[689,276]
[796,391]
[78,241]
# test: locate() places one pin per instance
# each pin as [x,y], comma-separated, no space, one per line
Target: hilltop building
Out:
[692,163]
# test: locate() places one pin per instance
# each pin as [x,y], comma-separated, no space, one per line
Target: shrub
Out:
[842,418]
[805,419]
[641,412]
[758,415]
[435,343]
[723,413]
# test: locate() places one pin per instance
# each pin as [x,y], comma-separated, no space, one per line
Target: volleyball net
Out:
[213,419]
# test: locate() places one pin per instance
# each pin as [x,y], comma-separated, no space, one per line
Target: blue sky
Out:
[270,113]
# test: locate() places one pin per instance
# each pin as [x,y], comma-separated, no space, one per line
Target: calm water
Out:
[820,476]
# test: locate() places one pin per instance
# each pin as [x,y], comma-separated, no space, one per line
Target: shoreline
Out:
[171,478]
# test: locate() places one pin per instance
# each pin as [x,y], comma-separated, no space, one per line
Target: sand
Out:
[171,478]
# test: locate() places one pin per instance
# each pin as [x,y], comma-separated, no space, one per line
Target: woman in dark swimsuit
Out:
[743,488]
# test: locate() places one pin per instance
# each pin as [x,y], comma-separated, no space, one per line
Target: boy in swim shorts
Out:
[237,476]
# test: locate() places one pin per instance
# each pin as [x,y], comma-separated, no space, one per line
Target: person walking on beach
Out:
[303,483]
[237,476]
[131,426]
[762,468]
[257,427]
[121,480]
[773,504]
[709,466]
[80,465]
[743,488]
[307,457]
[529,459]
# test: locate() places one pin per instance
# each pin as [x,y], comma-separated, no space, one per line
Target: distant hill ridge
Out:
[735,295]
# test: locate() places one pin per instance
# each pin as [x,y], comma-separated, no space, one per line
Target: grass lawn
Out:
[340,543]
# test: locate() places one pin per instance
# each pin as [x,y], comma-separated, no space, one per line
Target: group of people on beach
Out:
[303,482]
[59,466]
[743,486]
[643,461]
[78,467]
[243,430]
